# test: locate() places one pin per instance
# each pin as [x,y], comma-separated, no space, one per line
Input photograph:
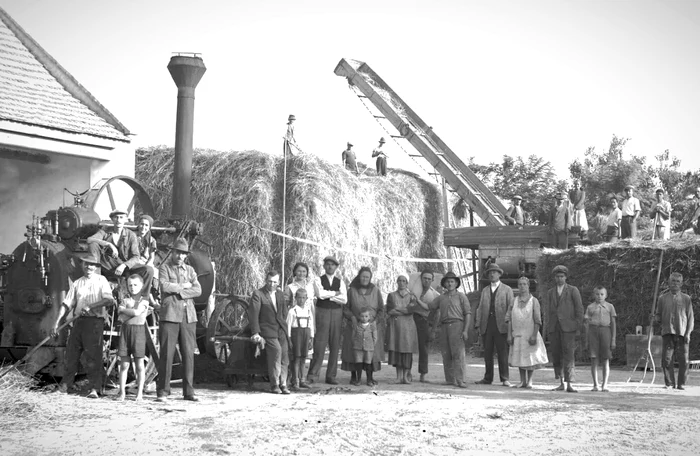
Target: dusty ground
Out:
[389,419]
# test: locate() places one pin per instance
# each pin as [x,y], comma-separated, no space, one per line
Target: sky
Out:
[495,77]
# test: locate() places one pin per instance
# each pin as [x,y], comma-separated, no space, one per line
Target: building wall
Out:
[28,188]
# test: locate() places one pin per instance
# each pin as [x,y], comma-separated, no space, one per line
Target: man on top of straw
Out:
[514,215]
[630,212]
[674,313]
[560,221]
[661,213]
[331,295]
[563,316]
[578,199]
[381,158]
[350,159]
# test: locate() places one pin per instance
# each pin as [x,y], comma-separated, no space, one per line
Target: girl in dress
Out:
[527,351]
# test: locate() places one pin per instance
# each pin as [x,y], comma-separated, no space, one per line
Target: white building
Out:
[54,135]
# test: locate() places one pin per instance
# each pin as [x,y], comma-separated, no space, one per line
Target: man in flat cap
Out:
[118,250]
[563,317]
[381,158]
[350,159]
[560,221]
[514,215]
[178,320]
[331,296]
[631,209]
[492,317]
[661,213]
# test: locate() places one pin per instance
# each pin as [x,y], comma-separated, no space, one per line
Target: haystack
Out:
[397,215]
[628,270]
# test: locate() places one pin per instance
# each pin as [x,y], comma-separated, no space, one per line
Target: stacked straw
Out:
[628,269]
[398,215]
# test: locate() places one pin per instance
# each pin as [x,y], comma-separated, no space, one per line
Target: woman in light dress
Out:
[300,273]
[402,336]
[527,351]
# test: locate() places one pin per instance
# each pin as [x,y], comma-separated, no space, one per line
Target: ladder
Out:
[413,129]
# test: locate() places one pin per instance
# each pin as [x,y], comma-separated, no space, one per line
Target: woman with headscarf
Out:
[362,294]
[402,335]
[300,279]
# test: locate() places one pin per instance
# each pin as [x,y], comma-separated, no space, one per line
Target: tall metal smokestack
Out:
[186,69]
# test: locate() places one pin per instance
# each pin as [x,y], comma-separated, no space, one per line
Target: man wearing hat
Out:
[331,296]
[631,209]
[289,136]
[563,316]
[661,213]
[560,221]
[454,315]
[514,215]
[178,319]
[492,317]
[86,299]
[118,250]
[381,158]
[350,159]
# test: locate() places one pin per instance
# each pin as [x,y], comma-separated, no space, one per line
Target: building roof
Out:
[36,90]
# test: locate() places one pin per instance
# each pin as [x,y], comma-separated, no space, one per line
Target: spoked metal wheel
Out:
[120,192]
[228,319]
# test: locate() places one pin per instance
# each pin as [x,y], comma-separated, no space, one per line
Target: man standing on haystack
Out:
[289,140]
[331,296]
[492,317]
[630,213]
[578,199]
[675,315]
[563,317]
[381,158]
[560,221]
[662,217]
[350,159]
[514,215]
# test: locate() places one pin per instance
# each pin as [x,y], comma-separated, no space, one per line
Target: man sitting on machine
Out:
[118,251]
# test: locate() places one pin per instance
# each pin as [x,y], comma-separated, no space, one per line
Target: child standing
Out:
[132,335]
[364,337]
[601,331]
[300,323]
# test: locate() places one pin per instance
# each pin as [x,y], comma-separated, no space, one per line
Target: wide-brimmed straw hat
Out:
[180,245]
[450,275]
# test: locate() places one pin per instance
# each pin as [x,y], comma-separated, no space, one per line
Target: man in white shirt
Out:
[381,158]
[614,221]
[630,212]
[421,315]
[661,213]
[331,295]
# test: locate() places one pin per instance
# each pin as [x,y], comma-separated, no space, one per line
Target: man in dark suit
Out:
[178,320]
[267,315]
[563,317]
[491,321]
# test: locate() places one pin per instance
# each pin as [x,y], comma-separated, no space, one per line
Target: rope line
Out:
[320,245]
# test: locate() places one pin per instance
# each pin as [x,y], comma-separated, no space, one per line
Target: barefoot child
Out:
[364,337]
[601,330]
[132,335]
[300,323]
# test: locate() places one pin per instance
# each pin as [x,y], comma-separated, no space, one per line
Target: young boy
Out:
[300,325]
[364,337]
[601,331]
[132,335]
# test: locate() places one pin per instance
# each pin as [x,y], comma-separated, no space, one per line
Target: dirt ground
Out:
[388,419]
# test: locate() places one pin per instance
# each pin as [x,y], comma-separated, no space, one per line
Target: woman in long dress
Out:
[300,273]
[402,335]
[362,293]
[527,351]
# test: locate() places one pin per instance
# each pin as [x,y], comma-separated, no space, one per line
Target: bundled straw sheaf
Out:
[628,270]
[398,215]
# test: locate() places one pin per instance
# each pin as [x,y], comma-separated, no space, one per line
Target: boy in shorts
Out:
[601,331]
[132,335]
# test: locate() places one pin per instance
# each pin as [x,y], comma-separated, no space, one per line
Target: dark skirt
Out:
[300,342]
[397,359]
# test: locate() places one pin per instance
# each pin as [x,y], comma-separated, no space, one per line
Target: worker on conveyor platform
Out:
[514,215]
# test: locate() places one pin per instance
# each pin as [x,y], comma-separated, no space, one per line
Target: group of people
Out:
[126,256]
[349,158]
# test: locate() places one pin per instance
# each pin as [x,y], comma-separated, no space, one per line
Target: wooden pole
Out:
[284,215]
[474,266]
[446,219]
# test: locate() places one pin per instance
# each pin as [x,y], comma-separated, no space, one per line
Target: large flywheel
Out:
[120,192]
